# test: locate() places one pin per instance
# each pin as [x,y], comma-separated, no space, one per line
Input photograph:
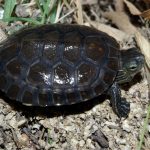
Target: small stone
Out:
[1,119]
[36,126]
[121,141]
[42,143]
[81,143]
[1,137]
[126,126]
[13,122]
[127,147]
[74,142]
[89,143]
[24,139]
[21,122]
[23,10]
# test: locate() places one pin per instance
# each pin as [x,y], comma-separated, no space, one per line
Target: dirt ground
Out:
[91,125]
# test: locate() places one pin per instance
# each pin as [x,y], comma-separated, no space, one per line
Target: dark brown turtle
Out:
[59,64]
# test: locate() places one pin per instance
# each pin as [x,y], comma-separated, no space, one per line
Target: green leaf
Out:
[8,8]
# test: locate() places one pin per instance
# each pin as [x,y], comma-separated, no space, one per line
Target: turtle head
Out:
[132,62]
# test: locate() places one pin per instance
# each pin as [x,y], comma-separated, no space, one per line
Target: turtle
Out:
[65,64]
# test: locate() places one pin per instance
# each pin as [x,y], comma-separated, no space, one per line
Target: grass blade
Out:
[30,20]
[8,8]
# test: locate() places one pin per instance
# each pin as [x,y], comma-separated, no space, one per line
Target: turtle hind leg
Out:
[120,106]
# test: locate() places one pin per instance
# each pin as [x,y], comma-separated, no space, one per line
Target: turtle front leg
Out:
[120,106]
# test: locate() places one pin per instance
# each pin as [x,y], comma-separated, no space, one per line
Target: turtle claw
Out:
[123,108]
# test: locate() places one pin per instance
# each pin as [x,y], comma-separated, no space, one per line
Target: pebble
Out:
[13,122]
[1,118]
[127,147]
[36,126]
[81,143]
[89,144]
[74,141]
[120,141]
[126,127]
[24,139]
[1,138]
[21,122]
[23,10]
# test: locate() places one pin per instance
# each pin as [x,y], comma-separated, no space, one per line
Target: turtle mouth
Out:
[123,77]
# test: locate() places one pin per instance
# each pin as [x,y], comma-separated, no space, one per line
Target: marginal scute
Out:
[72,98]
[43,99]
[30,35]
[85,73]
[3,82]
[59,99]
[86,95]
[39,74]
[52,36]
[110,41]
[8,52]
[27,98]
[94,48]
[72,37]
[13,91]
[14,67]
[113,64]
[113,52]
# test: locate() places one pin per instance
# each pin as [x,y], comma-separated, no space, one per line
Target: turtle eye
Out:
[132,66]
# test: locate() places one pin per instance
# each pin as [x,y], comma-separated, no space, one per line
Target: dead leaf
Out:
[144,45]
[133,10]
[115,33]
[121,20]
[119,5]
[79,12]
[146,14]
[89,2]
[147,1]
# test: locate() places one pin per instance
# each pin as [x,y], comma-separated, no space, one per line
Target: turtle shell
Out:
[57,64]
